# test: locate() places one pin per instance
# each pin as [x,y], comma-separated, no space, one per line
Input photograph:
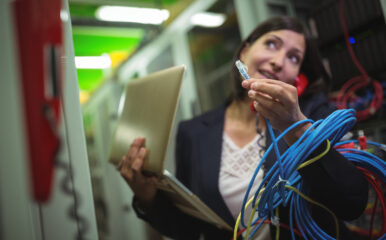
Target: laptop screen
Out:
[149,110]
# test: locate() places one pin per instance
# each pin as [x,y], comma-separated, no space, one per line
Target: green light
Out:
[89,79]
[95,41]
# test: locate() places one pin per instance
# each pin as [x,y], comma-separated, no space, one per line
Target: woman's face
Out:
[275,55]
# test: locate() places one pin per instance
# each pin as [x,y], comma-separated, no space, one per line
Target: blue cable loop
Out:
[334,127]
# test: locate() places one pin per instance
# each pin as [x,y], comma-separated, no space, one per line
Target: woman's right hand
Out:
[130,168]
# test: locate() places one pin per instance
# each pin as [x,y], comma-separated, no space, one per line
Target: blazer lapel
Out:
[210,160]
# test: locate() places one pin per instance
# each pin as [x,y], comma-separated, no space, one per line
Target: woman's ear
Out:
[244,51]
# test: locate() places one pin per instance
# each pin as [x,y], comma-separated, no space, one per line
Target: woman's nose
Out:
[277,61]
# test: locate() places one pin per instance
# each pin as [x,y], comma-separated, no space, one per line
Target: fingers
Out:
[133,151]
[130,168]
[267,105]
[131,163]
[268,108]
[135,145]
[283,92]
[139,160]
[247,83]
[275,100]
[125,169]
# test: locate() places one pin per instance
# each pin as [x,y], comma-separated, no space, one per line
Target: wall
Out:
[21,216]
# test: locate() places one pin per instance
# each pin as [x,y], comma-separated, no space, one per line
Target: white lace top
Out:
[236,170]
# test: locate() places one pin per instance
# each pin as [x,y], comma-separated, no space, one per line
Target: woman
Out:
[218,151]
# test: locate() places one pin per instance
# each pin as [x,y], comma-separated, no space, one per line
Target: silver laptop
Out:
[149,111]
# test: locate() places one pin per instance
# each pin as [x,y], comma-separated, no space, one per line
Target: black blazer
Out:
[332,180]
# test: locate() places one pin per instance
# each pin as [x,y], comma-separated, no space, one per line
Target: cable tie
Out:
[347,136]
[275,221]
[362,140]
[383,147]
[279,181]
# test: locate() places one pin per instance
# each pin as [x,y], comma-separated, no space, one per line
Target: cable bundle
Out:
[347,94]
[348,90]
[283,185]
[373,169]
[364,159]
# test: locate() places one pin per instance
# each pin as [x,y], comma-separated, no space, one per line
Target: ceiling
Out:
[93,37]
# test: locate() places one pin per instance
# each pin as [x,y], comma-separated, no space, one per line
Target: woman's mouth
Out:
[268,75]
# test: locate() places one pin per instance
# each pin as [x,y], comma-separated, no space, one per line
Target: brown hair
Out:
[311,66]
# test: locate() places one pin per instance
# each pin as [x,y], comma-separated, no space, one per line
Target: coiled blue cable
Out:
[334,127]
[283,172]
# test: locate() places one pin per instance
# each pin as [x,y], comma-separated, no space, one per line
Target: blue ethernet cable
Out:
[300,150]
[243,71]
[321,130]
[284,171]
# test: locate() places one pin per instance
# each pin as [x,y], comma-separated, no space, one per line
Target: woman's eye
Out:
[271,44]
[294,59]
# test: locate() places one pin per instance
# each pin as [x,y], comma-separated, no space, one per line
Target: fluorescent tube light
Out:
[132,14]
[94,62]
[206,19]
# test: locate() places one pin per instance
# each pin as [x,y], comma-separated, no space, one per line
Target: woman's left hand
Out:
[275,100]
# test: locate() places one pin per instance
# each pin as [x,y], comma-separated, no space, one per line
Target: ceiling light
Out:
[94,62]
[132,14]
[206,19]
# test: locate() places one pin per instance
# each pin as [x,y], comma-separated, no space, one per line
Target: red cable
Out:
[349,47]
[354,84]
[372,218]
[376,184]
[345,95]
